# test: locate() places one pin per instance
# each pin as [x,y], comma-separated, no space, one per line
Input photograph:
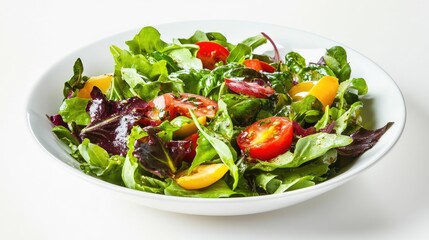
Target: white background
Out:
[39,200]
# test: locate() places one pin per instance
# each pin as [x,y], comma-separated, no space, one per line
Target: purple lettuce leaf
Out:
[363,140]
[57,120]
[157,157]
[111,121]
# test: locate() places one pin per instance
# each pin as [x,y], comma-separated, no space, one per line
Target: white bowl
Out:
[384,103]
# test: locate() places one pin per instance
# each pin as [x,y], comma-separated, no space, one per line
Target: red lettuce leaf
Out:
[363,140]
[111,121]
[157,157]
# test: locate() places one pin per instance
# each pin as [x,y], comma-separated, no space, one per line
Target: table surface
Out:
[39,200]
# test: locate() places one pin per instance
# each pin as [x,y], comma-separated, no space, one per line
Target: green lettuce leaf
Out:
[148,40]
[100,164]
[73,110]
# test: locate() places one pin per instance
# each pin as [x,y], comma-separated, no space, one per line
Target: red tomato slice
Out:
[210,53]
[201,106]
[254,89]
[259,65]
[266,138]
[161,108]
[193,142]
[168,106]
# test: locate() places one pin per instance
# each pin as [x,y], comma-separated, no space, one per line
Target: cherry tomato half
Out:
[266,138]
[259,65]
[210,53]
[161,108]
[201,106]
[257,89]
[168,106]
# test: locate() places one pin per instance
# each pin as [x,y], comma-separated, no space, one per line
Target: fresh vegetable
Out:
[202,176]
[187,126]
[259,65]
[324,90]
[204,117]
[266,138]
[255,89]
[211,53]
[103,82]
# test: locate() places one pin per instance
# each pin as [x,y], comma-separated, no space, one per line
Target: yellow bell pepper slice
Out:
[202,176]
[324,90]
[103,82]
[300,90]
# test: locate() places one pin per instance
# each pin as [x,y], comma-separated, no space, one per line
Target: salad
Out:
[204,117]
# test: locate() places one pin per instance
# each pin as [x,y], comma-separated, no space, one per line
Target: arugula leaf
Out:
[76,82]
[226,153]
[239,53]
[244,49]
[255,41]
[222,123]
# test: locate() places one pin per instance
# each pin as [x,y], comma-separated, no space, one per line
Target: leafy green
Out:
[100,163]
[294,178]
[148,40]
[134,176]
[307,148]
[73,110]
[113,137]
[225,152]
[77,81]
[69,139]
[336,59]
[135,75]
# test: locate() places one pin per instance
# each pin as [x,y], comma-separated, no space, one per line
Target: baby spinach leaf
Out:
[336,59]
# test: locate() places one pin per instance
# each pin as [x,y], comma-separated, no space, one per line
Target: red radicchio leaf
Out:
[111,121]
